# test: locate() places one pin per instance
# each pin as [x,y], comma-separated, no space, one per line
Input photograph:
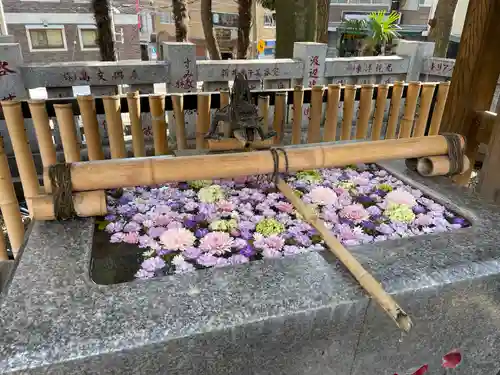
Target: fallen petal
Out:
[422,370]
[452,359]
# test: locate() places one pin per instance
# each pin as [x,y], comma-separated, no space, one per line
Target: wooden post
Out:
[298,101]
[90,126]
[224,101]
[134,112]
[378,118]
[332,110]
[489,178]
[365,111]
[43,134]
[394,109]
[437,113]
[202,120]
[409,112]
[476,70]
[115,126]
[264,112]
[157,108]
[67,129]
[349,100]
[279,116]
[24,159]
[425,105]
[9,206]
[314,128]
[180,123]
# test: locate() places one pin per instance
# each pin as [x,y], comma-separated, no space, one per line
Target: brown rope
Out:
[276,163]
[62,196]
[455,153]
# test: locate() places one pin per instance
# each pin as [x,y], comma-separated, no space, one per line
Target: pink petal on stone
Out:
[452,359]
[422,370]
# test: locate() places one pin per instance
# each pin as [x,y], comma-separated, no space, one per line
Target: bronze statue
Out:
[240,113]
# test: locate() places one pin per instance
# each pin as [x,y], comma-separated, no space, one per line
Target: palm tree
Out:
[244,25]
[208,30]
[105,39]
[181,18]
[441,25]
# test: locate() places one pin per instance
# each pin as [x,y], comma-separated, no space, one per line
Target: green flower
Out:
[346,185]
[269,226]
[224,225]
[211,194]
[298,193]
[310,176]
[385,187]
[399,212]
[198,184]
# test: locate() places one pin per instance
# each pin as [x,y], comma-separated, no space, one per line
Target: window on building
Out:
[46,38]
[88,38]
[166,18]
[225,19]
[270,20]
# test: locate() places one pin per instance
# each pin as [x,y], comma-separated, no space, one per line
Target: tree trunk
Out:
[208,30]
[441,26]
[322,24]
[104,30]
[244,24]
[181,18]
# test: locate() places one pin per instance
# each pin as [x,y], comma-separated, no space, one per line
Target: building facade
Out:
[65,31]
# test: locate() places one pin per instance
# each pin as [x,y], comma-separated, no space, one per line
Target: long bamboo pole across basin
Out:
[117,173]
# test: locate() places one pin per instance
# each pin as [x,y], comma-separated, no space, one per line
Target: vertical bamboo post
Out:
[279,116]
[394,109]
[332,110]
[365,110]
[437,113]
[314,128]
[202,120]
[67,129]
[3,247]
[43,135]
[378,118]
[264,112]
[134,112]
[9,206]
[112,110]
[157,108]
[180,127]
[298,101]
[349,99]
[425,105]
[13,114]
[90,126]
[409,112]
[224,101]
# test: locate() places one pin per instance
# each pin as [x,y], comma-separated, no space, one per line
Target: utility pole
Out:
[3,22]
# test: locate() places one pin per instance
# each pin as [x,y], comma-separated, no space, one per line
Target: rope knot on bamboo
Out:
[62,196]
[276,163]
[455,153]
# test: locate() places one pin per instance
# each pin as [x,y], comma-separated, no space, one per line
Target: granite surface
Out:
[300,315]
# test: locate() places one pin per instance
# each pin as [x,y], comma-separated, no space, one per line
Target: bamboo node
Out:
[62,196]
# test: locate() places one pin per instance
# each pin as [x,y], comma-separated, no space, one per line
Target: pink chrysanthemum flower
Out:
[216,243]
[177,239]
[355,212]
[400,196]
[322,195]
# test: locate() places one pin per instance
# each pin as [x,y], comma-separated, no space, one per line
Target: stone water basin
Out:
[297,314]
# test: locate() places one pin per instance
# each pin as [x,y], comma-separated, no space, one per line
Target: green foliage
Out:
[102,224]
[269,4]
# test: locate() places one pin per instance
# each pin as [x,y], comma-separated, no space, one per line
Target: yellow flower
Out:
[211,194]
[269,226]
[399,212]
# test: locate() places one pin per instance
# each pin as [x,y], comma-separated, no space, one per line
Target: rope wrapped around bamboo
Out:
[86,176]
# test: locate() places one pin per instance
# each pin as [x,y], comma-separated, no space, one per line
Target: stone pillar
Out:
[183,78]
[417,52]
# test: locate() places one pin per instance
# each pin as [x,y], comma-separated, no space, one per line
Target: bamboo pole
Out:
[349,100]
[86,204]
[437,113]
[332,110]
[224,101]
[425,105]
[228,144]
[365,111]
[24,159]
[438,165]
[409,112]
[202,120]
[180,127]
[263,102]
[90,126]
[157,108]
[158,170]
[115,126]
[394,109]
[67,130]
[134,112]
[43,134]
[298,101]
[3,246]
[364,278]
[378,118]
[279,116]
[9,206]
[314,128]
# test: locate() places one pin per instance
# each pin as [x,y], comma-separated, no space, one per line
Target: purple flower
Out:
[238,259]
[207,260]
[117,237]
[143,274]
[459,221]
[132,227]
[303,240]
[239,243]
[110,217]
[271,253]
[190,224]
[153,264]
[289,250]
[222,262]
[191,253]
[163,252]
[144,241]
[247,251]
[155,232]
